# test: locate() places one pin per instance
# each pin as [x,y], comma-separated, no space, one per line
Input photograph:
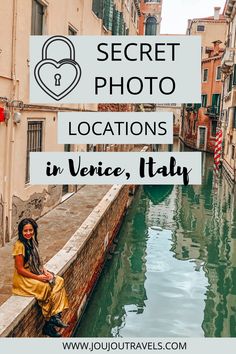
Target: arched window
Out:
[151,26]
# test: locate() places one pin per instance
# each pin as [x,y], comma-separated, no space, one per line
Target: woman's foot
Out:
[49,330]
[56,321]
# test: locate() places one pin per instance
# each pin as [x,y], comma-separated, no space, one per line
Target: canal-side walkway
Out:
[55,229]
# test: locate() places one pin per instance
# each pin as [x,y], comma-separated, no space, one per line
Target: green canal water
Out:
[173,272]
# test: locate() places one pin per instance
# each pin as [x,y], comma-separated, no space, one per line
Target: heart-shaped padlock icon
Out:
[57,78]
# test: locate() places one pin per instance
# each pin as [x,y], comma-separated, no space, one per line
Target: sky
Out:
[175,13]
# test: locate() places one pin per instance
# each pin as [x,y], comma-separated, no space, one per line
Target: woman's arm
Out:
[19,264]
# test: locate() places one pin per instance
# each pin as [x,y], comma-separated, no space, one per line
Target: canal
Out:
[173,271]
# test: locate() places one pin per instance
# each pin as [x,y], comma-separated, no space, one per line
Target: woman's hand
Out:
[48,274]
[19,264]
[44,278]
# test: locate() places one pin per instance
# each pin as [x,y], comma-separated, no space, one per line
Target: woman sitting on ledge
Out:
[32,279]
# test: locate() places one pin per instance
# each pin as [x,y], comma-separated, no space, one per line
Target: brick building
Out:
[229,93]
[199,121]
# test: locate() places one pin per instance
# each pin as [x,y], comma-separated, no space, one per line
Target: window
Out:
[226,117]
[234,75]
[200,28]
[218,73]
[97,7]
[202,137]
[205,75]
[230,82]
[37,18]
[72,31]
[233,152]
[216,103]
[151,26]
[213,127]
[108,14]
[234,119]
[204,100]
[34,143]
[118,24]
[65,187]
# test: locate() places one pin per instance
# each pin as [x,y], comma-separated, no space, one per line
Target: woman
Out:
[32,279]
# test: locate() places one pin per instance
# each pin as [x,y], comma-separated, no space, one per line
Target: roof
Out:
[209,18]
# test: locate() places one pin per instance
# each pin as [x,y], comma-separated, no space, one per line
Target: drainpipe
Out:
[8,181]
[12,142]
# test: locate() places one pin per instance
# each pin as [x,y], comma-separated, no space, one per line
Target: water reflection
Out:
[178,279]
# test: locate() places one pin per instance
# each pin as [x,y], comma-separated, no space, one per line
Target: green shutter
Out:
[234,78]
[108,14]
[197,106]
[204,100]
[216,102]
[97,7]
[116,22]
[121,27]
[234,119]
[230,82]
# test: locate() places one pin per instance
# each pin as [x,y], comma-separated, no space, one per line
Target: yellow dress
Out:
[52,299]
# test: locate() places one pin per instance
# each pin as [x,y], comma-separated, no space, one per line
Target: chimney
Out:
[216,13]
[189,26]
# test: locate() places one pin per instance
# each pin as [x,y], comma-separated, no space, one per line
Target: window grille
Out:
[34,143]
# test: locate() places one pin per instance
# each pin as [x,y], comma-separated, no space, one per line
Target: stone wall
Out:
[80,262]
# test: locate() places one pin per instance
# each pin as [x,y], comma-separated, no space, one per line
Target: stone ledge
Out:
[12,311]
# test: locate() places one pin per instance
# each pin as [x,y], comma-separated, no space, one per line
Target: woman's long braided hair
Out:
[27,244]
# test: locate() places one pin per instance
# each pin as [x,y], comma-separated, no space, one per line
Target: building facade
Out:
[210,29]
[150,19]
[199,121]
[26,127]
[229,93]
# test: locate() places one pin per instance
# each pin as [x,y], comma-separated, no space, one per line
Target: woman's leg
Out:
[57,301]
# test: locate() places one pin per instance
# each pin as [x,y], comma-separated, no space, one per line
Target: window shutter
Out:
[97,8]
[108,14]
[197,106]
[234,119]
[121,27]
[116,22]
[230,82]
[234,78]
[216,102]
[204,100]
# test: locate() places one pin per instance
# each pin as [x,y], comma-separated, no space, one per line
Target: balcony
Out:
[189,107]
[227,60]
[213,112]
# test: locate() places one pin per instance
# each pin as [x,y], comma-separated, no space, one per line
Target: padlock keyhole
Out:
[57,78]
